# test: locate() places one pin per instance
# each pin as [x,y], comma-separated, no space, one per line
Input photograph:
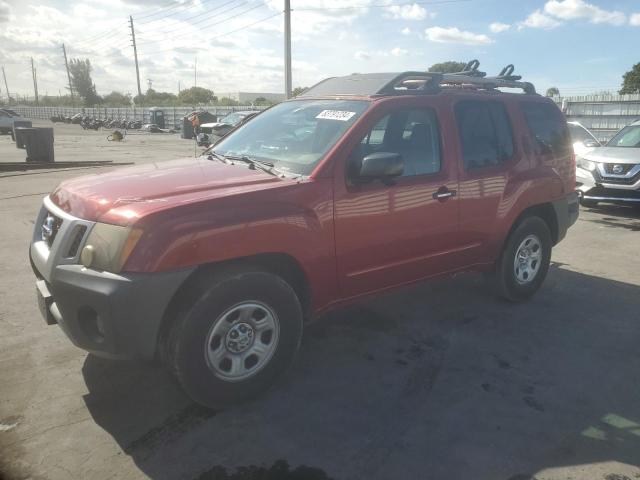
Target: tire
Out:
[588,203]
[517,283]
[199,344]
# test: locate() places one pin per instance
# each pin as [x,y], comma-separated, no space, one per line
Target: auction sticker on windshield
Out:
[341,115]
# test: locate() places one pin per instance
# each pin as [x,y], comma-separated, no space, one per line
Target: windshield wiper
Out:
[211,155]
[253,164]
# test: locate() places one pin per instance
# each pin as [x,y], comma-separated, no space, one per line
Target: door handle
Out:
[443,194]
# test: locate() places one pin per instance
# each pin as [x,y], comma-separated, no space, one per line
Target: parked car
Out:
[7,117]
[583,140]
[362,184]
[611,173]
[210,133]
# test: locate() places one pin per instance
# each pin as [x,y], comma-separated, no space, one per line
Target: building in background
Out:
[245,98]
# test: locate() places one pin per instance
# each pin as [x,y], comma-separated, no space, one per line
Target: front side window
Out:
[548,129]
[293,135]
[627,137]
[412,133]
[485,133]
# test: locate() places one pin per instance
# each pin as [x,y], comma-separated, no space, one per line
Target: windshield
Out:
[579,134]
[232,119]
[627,137]
[293,135]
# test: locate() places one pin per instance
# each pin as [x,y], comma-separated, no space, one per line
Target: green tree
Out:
[299,91]
[227,102]
[82,82]
[117,99]
[631,81]
[195,96]
[447,67]
[261,101]
[552,92]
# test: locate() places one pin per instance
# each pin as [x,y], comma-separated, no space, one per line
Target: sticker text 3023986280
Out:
[341,115]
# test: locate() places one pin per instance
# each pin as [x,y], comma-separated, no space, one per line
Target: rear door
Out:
[401,231]
[488,161]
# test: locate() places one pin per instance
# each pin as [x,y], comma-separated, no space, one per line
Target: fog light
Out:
[87,255]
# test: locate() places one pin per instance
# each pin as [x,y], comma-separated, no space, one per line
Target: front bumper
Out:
[111,315]
[590,189]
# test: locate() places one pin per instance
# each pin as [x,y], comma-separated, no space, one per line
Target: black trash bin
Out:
[187,129]
[20,135]
[39,145]
[18,124]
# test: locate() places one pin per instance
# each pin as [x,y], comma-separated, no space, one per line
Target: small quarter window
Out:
[548,129]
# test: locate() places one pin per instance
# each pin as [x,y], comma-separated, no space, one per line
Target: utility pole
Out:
[35,81]
[66,65]
[287,48]
[195,72]
[149,83]
[6,87]
[135,54]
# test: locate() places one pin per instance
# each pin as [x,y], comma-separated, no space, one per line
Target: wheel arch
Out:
[544,211]
[284,265]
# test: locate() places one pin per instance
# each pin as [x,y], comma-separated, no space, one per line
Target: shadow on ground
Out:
[618,216]
[439,381]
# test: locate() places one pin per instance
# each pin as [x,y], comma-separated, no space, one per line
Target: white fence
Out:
[604,115]
[172,115]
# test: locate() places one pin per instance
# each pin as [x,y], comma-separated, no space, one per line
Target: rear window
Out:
[548,128]
[485,133]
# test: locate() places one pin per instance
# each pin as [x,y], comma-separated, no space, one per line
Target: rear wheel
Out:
[524,262]
[238,336]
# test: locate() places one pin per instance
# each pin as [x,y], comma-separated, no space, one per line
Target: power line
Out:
[169,14]
[162,10]
[190,32]
[355,7]
[203,18]
[249,25]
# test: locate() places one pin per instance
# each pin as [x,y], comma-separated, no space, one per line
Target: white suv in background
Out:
[611,173]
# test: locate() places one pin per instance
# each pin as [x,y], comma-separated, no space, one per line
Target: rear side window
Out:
[548,128]
[485,133]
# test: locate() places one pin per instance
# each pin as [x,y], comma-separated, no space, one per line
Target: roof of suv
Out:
[417,83]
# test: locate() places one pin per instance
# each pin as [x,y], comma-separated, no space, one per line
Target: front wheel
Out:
[524,262]
[239,335]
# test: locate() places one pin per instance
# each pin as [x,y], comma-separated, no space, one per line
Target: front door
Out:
[401,231]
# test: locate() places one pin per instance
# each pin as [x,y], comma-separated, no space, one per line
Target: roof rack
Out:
[416,83]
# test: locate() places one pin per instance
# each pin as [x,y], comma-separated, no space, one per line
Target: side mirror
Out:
[381,166]
[591,143]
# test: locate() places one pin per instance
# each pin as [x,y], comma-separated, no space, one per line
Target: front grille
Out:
[608,168]
[77,236]
[50,228]
[616,180]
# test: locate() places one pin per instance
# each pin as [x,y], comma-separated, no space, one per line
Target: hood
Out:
[613,155]
[123,196]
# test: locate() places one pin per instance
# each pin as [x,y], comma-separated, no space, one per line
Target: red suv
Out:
[363,184]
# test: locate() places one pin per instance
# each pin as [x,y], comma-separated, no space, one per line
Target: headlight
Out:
[108,247]
[586,164]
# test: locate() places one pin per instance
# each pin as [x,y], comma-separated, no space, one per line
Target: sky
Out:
[579,46]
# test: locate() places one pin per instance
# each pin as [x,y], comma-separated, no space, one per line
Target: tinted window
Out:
[548,128]
[485,133]
[413,133]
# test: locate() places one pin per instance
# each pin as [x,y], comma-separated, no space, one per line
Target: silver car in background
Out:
[611,173]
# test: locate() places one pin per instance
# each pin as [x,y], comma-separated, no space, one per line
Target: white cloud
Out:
[398,52]
[539,20]
[362,55]
[408,12]
[455,35]
[634,19]
[406,31]
[5,12]
[498,27]
[579,9]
